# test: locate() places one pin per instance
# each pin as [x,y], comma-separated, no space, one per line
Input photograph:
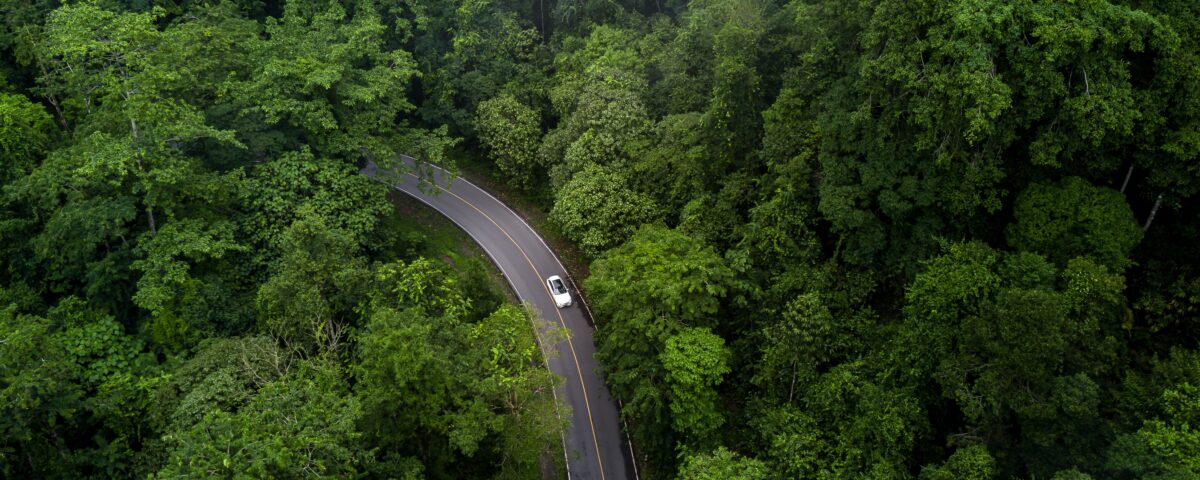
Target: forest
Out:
[823,239]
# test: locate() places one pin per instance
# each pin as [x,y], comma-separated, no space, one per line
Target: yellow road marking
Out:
[570,345]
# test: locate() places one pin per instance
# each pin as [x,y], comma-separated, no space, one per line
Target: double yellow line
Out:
[570,345]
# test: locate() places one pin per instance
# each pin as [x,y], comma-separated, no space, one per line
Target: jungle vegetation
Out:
[828,239]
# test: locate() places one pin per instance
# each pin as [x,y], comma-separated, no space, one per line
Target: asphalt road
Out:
[595,446]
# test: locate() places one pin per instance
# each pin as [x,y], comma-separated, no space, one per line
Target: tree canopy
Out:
[821,238]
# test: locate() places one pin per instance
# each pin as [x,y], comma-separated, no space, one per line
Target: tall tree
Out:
[1019,347]
[968,463]
[695,360]
[443,390]
[472,51]
[301,426]
[328,74]
[1074,219]
[38,395]
[25,132]
[732,121]
[598,210]
[168,288]
[108,65]
[510,131]
[646,292]
[126,169]
[721,464]
[307,301]
[916,133]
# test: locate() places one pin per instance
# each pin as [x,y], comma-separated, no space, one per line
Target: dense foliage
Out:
[829,238]
[197,282]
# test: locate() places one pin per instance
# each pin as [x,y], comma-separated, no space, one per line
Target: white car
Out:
[558,289]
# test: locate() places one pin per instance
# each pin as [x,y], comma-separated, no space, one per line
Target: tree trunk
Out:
[137,158]
[1153,212]
[1127,175]
[58,113]
[792,389]
[150,220]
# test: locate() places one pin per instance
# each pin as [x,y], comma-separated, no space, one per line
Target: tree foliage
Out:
[25,131]
[299,426]
[828,239]
[510,131]
[325,72]
[181,187]
[598,211]
[1074,219]
[648,293]
[721,464]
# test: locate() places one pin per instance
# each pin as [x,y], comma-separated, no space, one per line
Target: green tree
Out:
[1141,392]
[968,463]
[403,380]
[107,64]
[514,379]
[510,131]
[25,132]
[81,216]
[20,24]
[598,210]
[1016,344]
[659,272]
[126,168]
[673,168]
[733,121]
[301,426]
[1168,148]
[915,134]
[273,194]
[1072,474]
[38,395]
[790,441]
[223,374]
[168,289]
[329,75]
[1074,219]
[721,464]
[75,390]
[845,423]
[470,52]
[581,15]
[695,360]
[806,340]
[1163,447]
[421,283]
[406,366]
[644,293]
[442,390]
[308,298]
[599,96]
[210,50]
[118,377]
[605,64]
[780,228]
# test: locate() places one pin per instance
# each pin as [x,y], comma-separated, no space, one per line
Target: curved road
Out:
[595,445]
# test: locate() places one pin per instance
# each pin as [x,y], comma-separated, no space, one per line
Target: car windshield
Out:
[557,286]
